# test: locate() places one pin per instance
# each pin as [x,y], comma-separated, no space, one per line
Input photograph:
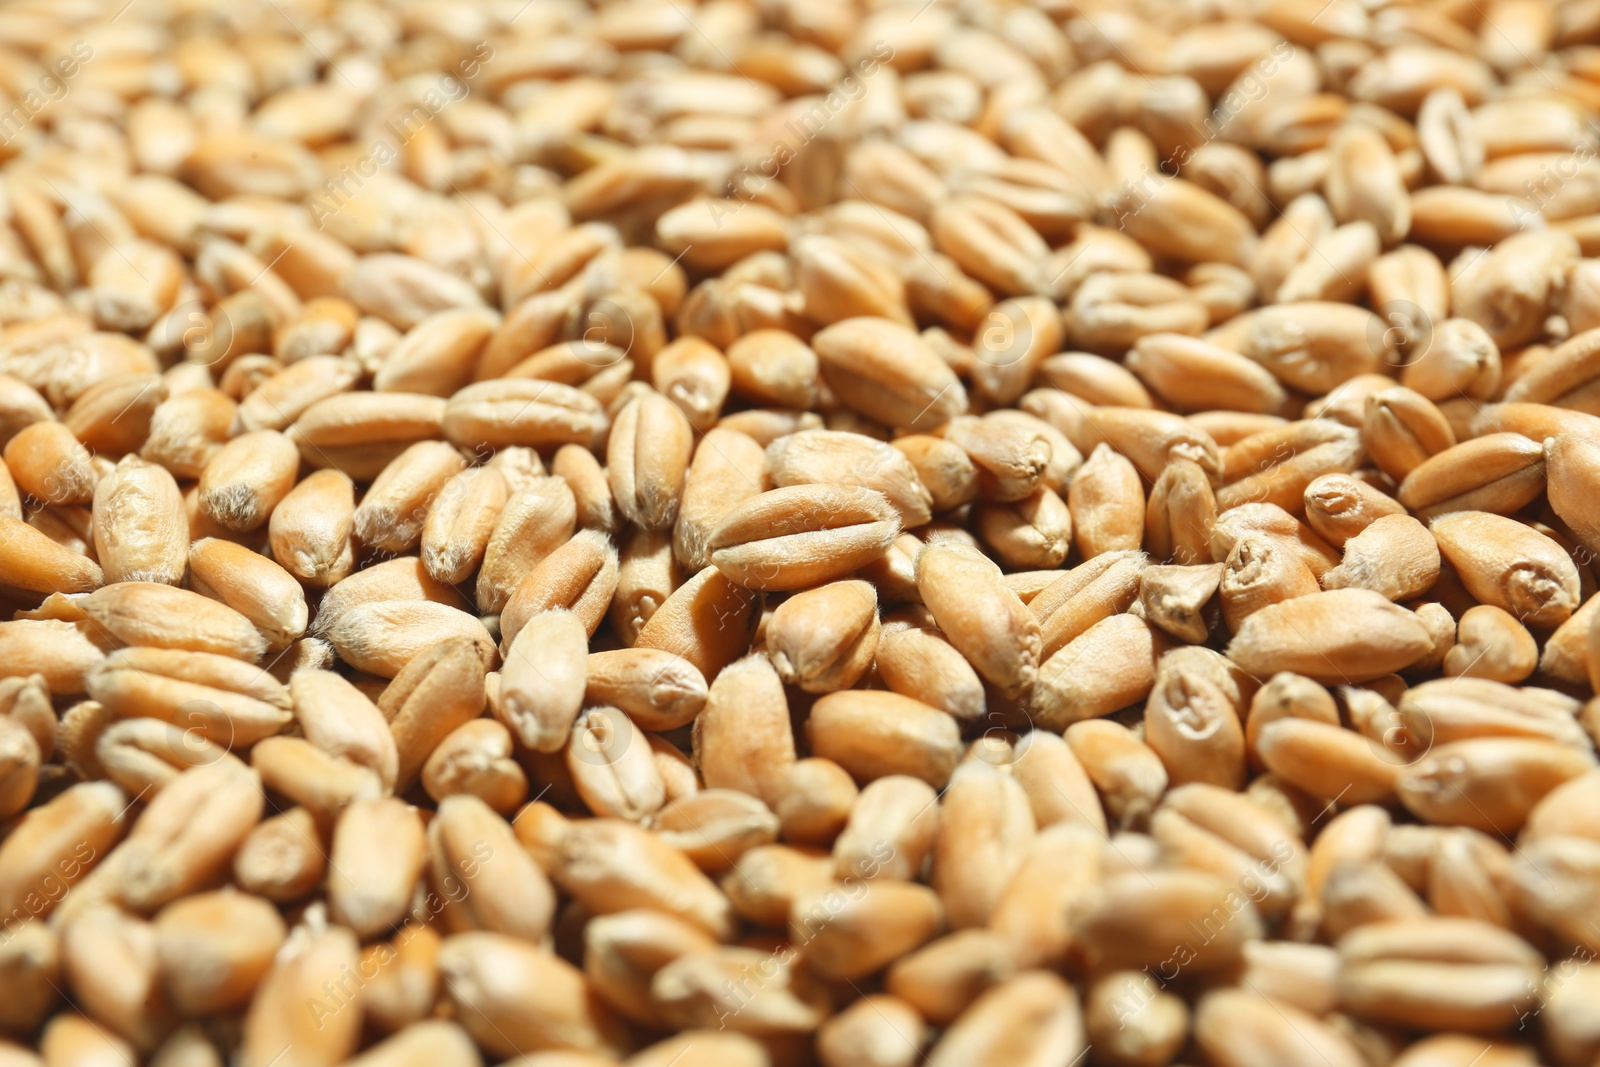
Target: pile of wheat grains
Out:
[763,533]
